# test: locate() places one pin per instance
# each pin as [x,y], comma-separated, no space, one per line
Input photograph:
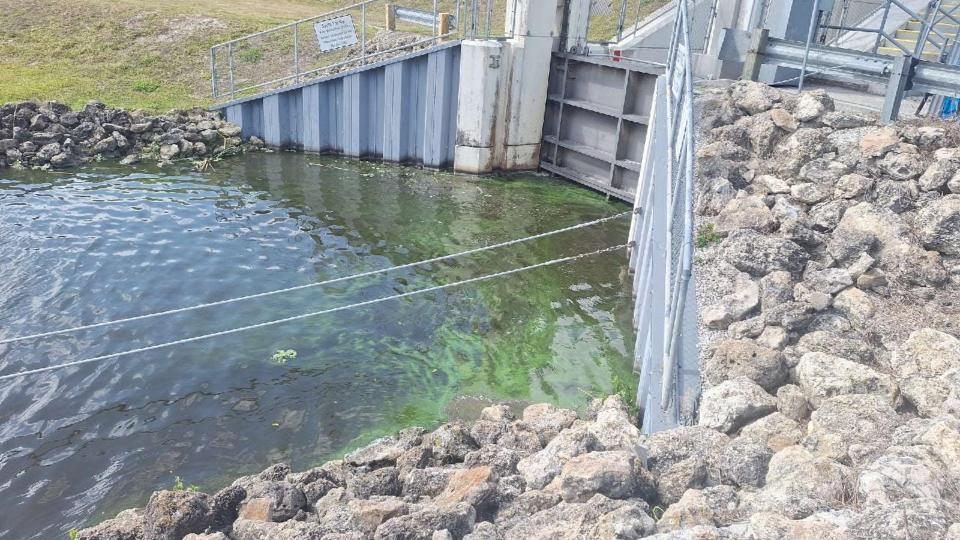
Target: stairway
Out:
[908,34]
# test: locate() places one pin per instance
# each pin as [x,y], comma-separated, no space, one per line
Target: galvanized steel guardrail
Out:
[662,232]
[371,31]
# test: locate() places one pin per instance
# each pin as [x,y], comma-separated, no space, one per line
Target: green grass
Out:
[154,56]
[707,236]
[127,53]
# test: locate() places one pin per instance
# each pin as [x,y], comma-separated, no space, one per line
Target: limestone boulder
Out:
[758,254]
[753,98]
[800,483]
[747,212]
[540,468]
[822,376]
[916,519]
[923,366]
[776,431]
[938,174]
[714,506]
[590,520]
[812,105]
[733,403]
[938,225]
[735,358]
[902,472]
[614,474]
[548,420]
[878,142]
[683,458]
[899,252]
[902,166]
[851,428]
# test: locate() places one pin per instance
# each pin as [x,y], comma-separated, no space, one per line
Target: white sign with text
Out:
[336,33]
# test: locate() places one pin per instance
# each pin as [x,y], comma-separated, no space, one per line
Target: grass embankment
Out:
[154,55]
[127,53]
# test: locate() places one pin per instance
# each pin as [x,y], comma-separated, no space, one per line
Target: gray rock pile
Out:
[547,474]
[831,299]
[51,135]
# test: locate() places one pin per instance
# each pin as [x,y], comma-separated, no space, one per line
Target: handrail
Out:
[294,23]
[284,64]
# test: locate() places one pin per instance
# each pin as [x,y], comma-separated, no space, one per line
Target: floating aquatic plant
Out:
[282,355]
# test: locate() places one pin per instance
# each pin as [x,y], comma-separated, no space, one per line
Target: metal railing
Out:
[662,260]
[346,38]
[613,21]
[873,17]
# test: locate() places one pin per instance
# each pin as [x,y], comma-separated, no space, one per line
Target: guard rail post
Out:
[752,64]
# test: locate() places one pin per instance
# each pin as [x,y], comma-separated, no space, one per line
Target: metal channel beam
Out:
[900,74]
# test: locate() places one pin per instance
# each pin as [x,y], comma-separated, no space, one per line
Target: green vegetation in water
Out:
[707,236]
[179,486]
[72,533]
[281,356]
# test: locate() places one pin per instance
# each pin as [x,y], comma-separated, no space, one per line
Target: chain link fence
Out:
[662,256]
[367,32]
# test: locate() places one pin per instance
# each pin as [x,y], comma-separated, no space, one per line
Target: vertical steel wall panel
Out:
[403,110]
[311,119]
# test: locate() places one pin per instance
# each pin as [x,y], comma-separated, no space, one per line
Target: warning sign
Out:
[336,33]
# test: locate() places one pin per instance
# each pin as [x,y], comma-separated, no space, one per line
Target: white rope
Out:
[318,284]
[307,315]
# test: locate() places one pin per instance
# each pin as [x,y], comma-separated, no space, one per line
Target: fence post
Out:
[896,86]
[363,33]
[390,17]
[296,53]
[811,31]
[444,24]
[752,64]
[213,72]
[233,86]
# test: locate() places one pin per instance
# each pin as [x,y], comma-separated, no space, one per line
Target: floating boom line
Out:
[313,314]
[312,285]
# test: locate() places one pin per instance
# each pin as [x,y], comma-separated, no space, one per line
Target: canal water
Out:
[109,242]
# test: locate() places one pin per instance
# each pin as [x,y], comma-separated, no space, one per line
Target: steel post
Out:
[896,86]
[752,63]
[296,53]
[213,72]
[233,86]
[811,30]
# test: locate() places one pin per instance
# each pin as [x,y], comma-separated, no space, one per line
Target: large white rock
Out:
[924,366]
[851,428]
[734,403]
[822,376]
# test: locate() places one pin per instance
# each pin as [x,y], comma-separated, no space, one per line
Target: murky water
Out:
[79,444]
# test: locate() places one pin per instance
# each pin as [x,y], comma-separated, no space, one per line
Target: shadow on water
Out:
[78,445]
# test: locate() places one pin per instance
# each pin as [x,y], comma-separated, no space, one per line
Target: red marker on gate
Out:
[616,55]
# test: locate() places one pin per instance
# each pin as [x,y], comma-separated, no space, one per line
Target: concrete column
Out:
[480,68]
[578,19]
[500,112]
[531,50]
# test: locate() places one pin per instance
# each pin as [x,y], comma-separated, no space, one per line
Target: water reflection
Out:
[80,444]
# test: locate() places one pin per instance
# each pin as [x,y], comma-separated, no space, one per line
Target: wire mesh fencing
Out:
[665,312]
[353,36]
